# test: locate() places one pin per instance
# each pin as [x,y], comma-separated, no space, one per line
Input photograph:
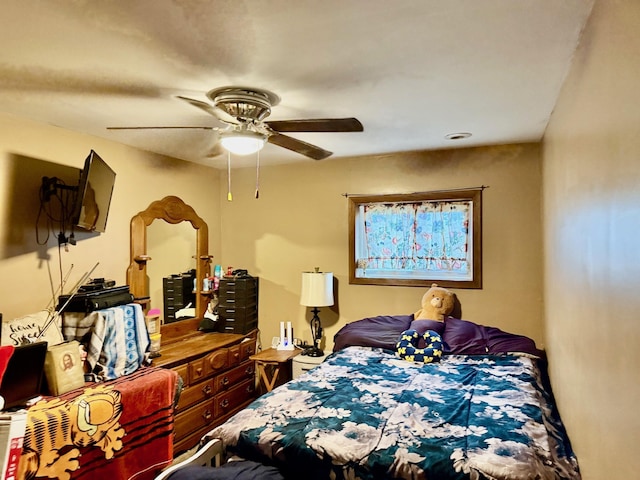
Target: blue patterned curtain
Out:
[427,236]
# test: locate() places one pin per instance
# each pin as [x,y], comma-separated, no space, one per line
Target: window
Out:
[416,239]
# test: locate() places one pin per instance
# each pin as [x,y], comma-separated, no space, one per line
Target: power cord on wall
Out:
[57,201]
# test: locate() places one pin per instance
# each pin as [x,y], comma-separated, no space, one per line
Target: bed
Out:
[484,411]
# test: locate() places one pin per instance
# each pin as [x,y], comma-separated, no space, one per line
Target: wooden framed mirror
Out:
[172,210]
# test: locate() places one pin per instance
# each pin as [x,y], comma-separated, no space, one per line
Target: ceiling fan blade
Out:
[298,146]
[160,128]
[215,151]
[211,110]
[317,125]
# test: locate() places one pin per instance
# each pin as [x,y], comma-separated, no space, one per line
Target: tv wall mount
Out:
[50,186]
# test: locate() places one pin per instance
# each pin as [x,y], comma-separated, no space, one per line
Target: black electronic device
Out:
[94,194]
[86,302]
[96,284]
[22,380]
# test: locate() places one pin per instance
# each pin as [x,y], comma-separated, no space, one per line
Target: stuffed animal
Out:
[437,303]
[407,346]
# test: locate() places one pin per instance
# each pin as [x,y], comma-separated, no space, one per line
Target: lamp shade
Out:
[243,142]
[317,289]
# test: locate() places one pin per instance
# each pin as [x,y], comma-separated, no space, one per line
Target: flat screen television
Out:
[94,194]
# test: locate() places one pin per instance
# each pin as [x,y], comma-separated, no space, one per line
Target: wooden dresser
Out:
[218,375]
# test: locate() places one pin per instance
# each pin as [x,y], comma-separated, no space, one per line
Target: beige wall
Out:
[29,151]
[591,212]
[300,222]
[592,262]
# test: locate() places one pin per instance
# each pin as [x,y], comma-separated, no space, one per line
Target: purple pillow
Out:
[503,342]
[468,338]
[464,338]
[382,331]
[423,325]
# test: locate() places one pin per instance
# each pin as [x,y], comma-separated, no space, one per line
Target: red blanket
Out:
[120,429]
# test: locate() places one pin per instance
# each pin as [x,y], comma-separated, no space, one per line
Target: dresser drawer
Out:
[198,370]
[238,287]
[247,349]
[194,418]
[234,376]
[217,361]
[234,356]
[183,373]
[238,313]
[230,325]
[196,393]
[227,401]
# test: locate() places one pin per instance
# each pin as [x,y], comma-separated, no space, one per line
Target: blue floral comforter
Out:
[366,414]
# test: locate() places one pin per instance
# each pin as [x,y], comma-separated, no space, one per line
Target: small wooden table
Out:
[270,364]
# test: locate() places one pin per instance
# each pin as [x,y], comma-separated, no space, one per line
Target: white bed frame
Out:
[209,455]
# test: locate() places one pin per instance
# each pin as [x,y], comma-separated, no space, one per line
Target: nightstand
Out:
[304,363]
[274,366]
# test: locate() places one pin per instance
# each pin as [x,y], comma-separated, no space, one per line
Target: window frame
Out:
[474,195]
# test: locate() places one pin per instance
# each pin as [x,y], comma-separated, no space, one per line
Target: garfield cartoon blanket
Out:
[117,430]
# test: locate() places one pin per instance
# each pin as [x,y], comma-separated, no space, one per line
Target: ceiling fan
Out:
[243,111]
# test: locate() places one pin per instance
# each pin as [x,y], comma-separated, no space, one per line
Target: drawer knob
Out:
[250,388]
[206,390]
[224,403]
[249,371]
[207,415]
[225,381]
[199,371]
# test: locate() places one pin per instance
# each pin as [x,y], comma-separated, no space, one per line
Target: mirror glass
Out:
[172,248]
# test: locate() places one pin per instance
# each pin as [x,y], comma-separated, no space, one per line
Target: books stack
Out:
[12,428]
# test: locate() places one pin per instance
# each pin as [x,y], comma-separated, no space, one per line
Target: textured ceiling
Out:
[410,71]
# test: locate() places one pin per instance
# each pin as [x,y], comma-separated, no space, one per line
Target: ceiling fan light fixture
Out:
[243,142]
[249,104]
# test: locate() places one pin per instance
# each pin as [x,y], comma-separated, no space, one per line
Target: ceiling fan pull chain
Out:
[229,196]
[258,175]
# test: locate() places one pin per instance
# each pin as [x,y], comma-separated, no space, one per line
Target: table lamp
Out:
[317,291]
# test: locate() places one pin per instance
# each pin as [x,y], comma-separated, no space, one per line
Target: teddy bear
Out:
[437,303]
